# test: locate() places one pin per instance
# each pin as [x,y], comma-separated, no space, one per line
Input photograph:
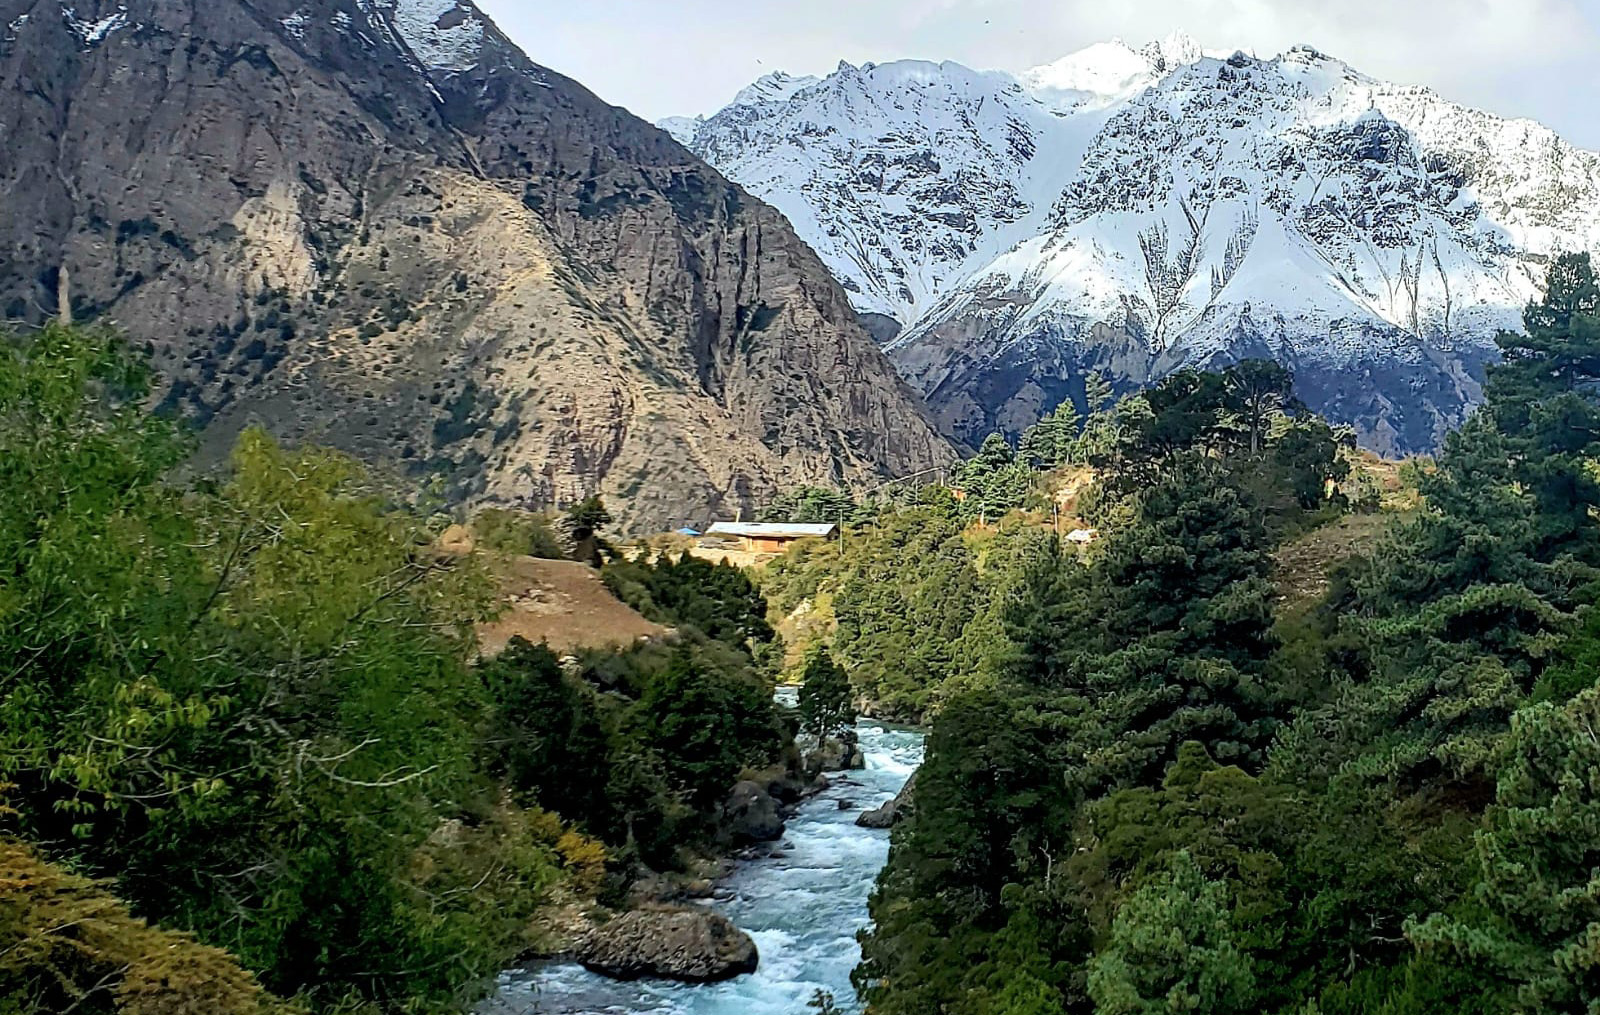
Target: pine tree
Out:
[1166,635]
[1542,398]
[826,705]
[995,480]
[994,454]
[1099,432]
[1172,950]
[1257,391]
[1097,393]
[1049,443]
[1538,857]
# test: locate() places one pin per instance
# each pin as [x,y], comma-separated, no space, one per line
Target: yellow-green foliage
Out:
[497,873]
[66,943]
[584,859]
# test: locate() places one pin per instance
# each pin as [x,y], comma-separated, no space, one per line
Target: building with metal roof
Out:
[769,537]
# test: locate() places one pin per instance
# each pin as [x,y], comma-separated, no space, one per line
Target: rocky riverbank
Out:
[661,934]
[801,898]
[894,811]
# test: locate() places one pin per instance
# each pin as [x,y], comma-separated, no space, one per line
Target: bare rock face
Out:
[691,945]
[377,226]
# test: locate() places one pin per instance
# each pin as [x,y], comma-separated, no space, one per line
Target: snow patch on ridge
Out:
[94,32]
[446,35]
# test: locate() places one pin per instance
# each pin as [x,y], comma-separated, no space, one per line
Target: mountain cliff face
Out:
[377,224]
[1139,210]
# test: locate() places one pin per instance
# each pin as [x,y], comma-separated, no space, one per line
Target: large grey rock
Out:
[894,811]
[691,945]
[751,815]
[836,754]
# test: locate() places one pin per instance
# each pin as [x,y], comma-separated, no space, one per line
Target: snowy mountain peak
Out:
[1110,72]
[1173,52]
[682,128]
[1103,73]
[774,87]
[1135,210]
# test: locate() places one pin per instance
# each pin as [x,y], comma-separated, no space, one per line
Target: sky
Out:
[1532,58]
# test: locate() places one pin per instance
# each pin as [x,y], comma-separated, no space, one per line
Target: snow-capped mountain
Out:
[1135,210]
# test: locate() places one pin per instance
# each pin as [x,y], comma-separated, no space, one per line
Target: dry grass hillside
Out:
[1305,562]
[561,603]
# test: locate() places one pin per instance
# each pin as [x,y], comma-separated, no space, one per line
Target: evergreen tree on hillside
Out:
[989,814]
[1464,607]
[1308,455]
[551,744]
[1099,433]
[1051,442]
[1172,949]
[1257,392]
[1166,635]
[1098,394]
[996,480]
[813,505]
[903,604]
[1543,399]
[1186,412]
[826,705]
[994,454]
[716,600]
[1539,928]
[705,726]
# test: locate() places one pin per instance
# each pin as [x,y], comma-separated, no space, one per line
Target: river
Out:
[803,909]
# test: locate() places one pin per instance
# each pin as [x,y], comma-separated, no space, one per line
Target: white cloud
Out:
[1535,58]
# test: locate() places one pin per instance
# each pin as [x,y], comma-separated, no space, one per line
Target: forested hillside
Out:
[251,703]
[919,598]
[1151,789]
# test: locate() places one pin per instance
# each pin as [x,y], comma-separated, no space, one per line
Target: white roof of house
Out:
[772,530]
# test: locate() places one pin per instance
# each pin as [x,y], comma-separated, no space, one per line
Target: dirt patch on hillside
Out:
[1303,564]
[561,603]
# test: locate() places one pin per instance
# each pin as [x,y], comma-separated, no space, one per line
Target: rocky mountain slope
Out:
[377,224]
[1137,210]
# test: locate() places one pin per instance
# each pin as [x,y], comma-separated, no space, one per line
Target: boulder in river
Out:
[751,815]
[690,945]
[893,811]
[836,754]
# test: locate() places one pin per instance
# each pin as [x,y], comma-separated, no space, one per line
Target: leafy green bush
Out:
[517,532]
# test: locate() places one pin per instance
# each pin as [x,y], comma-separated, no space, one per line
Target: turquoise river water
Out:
[802,907]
